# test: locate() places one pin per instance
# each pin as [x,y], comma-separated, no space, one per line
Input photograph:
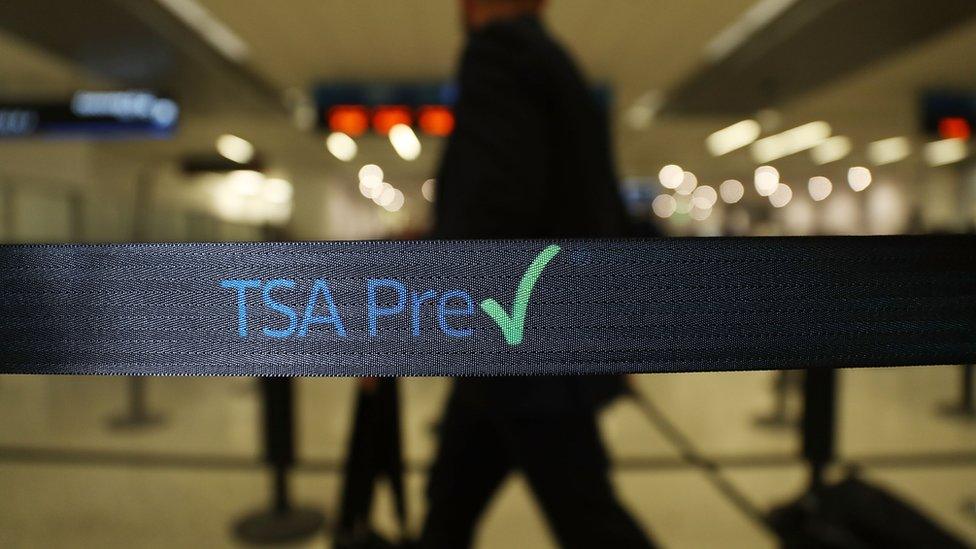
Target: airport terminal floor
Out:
[70,473]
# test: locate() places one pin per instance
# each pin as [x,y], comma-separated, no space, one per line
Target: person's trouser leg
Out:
[565,463]
[471,463]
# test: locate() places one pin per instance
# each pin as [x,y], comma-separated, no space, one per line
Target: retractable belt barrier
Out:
[486,307]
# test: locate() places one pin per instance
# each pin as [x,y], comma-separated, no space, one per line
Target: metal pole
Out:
[819,422]
[281,522]
[965,407]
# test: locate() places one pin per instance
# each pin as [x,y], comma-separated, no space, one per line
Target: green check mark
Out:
[514,325]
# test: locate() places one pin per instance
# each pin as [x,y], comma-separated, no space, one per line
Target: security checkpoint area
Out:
[488,273]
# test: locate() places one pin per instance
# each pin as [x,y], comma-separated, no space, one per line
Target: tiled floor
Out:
[67,479]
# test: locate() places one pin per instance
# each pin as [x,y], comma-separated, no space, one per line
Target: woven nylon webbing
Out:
[487,308]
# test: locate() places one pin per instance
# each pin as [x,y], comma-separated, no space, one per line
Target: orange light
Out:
[954,127]
[352,120]
[435,120]
[385,117]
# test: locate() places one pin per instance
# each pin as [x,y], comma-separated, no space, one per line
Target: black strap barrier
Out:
[487,308]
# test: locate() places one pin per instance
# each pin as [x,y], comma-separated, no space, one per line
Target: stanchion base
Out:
[957,411]
[268,527]
[129,422]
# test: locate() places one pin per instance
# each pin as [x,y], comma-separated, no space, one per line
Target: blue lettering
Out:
[270,303]
[443,311]
[241,286]
[373,311]
[416,301]
[321,287]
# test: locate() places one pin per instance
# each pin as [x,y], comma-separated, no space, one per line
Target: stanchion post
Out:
[779,417]
[137,414]
[819,421]
[965,407]
[281,522]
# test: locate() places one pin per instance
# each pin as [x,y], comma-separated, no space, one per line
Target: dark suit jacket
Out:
[529,158]
[530,155]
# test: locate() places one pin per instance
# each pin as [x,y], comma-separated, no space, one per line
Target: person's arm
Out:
[493,179]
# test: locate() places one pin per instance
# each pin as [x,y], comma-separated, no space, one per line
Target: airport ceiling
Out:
[643,49]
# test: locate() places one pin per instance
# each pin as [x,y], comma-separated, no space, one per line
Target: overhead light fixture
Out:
[831,149]
[946,151]
[790,142]
[887,151]
[766,179]
[781,196]
[429,190]
[734,137]
[405,142]
[386,196]
[235,148]
[704,197]
[859,178]
[700,214]
[371,172]
[671,176]
[211,29]
[664,205]
[732,191]
[819,188]
[755,18]
[245,182]
[396,203]
[341,146]
[688,183]
[278,190]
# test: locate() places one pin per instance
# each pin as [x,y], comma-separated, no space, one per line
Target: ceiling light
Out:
[211,29]
[704,197]
[790,142]
[831,150]
[734,137]
[859,178]
[341,146]
[277,190]
[731,191]
[781,196]
[429,190]
[766,180]
[700,214]
[235,148]
[688,183]
[396,203]
[819,188]
[946,151]
[245,182]
[386,195]
[405,141]
[664,205]
[887,151]
[671,176]
[371,172]
[755,18]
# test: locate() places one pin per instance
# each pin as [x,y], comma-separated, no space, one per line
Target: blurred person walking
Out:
[529,158]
